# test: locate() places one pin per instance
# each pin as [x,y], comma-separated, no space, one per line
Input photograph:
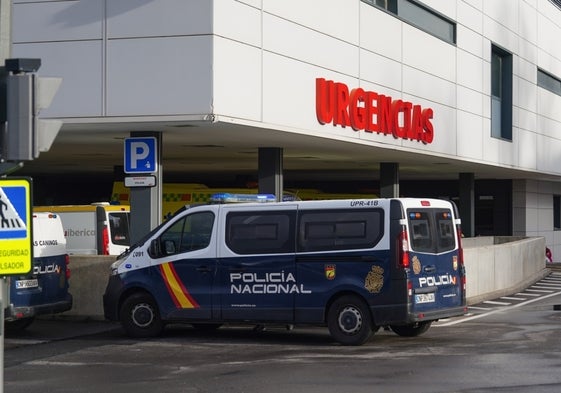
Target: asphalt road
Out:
[505,345]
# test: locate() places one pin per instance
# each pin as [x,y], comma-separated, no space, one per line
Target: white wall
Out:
[285,45]
[258,60]
[533,212]
[120,58]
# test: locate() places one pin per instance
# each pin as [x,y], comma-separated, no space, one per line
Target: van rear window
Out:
[119,227]
[431,230]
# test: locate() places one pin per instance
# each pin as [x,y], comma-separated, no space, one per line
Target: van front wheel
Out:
[140,317]
[412,330]
[349,321]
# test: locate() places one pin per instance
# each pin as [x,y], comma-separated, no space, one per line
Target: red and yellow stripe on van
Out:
[180,295]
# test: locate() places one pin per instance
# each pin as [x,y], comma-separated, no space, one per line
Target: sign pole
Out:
[5,53]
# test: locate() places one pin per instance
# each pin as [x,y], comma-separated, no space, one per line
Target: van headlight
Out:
[115,266]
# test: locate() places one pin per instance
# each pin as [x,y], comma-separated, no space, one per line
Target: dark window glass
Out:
[192,232]
[501,94]
[119,228]
[549,82]
[260,232]
[419,16]
[445,231]
[326,230]
[420,236]
[556,212]
[431,230]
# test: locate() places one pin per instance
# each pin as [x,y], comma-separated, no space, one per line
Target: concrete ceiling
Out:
[227,149]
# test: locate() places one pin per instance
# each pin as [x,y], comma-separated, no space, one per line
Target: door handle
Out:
[238,269]
[429,269]
[204,269]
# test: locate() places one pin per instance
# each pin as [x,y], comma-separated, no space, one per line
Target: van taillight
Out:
[403,247]
[67,263]
[460,248]
[105,240]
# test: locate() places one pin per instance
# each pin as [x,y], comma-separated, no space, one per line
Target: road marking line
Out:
[549,284]
[513,298]
[495,302]
[538,290]
[502,309]
[526,294]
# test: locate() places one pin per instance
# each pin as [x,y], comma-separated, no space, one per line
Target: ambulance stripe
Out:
[180,295]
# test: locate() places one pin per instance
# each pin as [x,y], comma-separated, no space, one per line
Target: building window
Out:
[557,212]
[419,16]
[556,3]
[549,82]
[501,94]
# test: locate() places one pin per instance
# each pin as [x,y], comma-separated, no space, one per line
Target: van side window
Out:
[192,232]
[325,230]
[260,232]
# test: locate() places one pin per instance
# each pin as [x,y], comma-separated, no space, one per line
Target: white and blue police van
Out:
[350,265]
[45,290]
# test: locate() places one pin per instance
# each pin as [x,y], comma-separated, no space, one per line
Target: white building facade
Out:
[477,82]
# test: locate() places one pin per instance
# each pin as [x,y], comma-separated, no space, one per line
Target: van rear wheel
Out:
[349,320]
[412,330]
[140,316]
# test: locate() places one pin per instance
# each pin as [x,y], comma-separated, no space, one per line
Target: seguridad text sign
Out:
[16,249]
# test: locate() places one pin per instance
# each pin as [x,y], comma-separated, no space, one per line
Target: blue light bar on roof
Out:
[226,197]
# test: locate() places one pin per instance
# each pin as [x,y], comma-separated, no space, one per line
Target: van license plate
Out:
[21,284]
[424,298]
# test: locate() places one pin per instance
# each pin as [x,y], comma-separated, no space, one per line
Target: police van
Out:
[350,265]
[45,290]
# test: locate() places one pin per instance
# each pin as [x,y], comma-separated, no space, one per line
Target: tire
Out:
[18,324]
[140,316]
[349,321]
[412,330]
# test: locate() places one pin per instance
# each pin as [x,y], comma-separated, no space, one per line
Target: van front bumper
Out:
[111,298]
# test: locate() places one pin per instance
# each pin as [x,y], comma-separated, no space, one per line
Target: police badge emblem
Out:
[416,265]
[330,272]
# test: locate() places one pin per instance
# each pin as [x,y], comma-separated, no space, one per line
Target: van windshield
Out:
[431,230]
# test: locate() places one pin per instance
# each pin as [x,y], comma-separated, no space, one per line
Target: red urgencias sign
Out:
[372,112]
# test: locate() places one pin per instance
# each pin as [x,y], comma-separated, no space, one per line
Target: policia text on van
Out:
[353,265]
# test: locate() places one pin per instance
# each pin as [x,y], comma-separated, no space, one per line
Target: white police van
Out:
[45,290]
[350,265]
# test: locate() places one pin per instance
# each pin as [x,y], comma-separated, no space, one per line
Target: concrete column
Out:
[146,202]
[389,180]
[467,203]
[270,171]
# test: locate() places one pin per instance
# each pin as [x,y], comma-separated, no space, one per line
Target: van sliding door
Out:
[256,266]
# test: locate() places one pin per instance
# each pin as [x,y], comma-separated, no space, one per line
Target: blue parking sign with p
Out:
[140,155]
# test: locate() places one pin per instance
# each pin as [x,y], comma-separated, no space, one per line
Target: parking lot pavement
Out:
[54,329]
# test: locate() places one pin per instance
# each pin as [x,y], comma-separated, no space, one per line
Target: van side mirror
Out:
[154,249]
